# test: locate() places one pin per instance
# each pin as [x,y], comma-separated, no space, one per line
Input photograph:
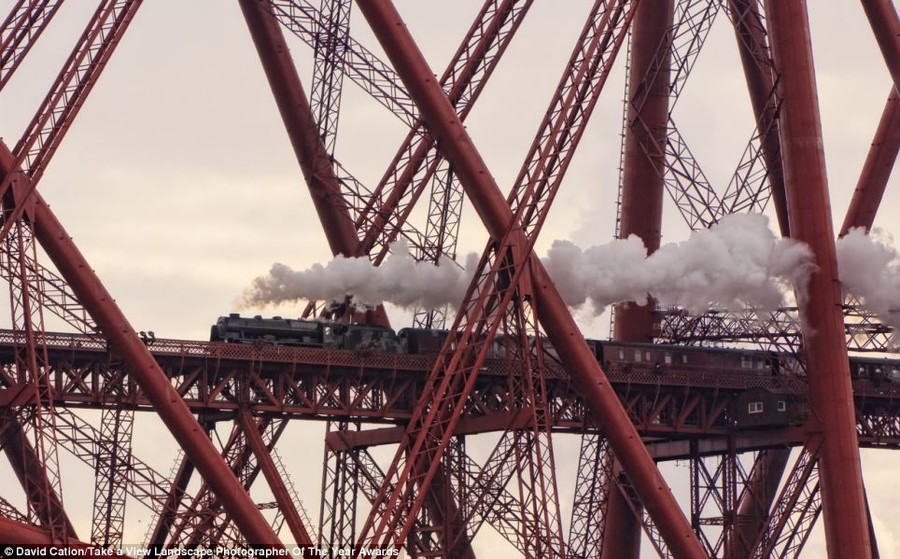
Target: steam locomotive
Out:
[624,355]
[303,333]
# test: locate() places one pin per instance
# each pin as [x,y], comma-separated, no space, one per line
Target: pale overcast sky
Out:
[179,185]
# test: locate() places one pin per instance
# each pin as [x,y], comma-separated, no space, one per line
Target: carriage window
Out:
[755,407]
[621,354]
[667,357]
[746,362]
[684,358]
[637,355]
[782,405]
[646,356]
[761,364]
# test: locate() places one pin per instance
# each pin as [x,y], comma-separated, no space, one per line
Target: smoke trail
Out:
[870,269]
[735,262]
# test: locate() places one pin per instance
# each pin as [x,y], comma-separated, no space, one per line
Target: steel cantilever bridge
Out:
[751,495]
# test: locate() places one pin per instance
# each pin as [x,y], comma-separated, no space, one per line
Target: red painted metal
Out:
[642,175]
[173,499]
[112,469]
[66,96]
[756,501]
[417,160]
[885,24]
[332,208]
[877,169]
[756,60]
[622,530]
[328,71]
[20,30]
[273,477]
[562,330]
[641,210]
[204,522]
[588,528]
[124,339]
[335,384]
[831,396]
[32,475]
[796,509]
[18,533]
[879,163]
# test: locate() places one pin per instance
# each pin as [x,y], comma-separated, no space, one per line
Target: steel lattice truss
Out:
[750,496]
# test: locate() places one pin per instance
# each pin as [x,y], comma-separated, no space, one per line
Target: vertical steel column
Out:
[642,199]
[622,529]
[642,174]
[756,501]
[143,367]
[495,212]
[831,395]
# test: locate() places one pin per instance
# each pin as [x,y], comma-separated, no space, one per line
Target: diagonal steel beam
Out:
[557,321]
[417,160]
[30,472]
[876,170]
[806,181]
[359,63]
[756,60]
[882,15]
[143,367]
[20,30]
[886,144]
[309,148]
[274,479]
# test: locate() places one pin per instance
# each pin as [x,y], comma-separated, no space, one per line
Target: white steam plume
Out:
[870,269]
[399,280]
[735,262]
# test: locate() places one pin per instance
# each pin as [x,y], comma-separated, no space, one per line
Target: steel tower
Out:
[750,495]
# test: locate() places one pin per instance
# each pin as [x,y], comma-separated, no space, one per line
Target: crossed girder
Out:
[433,498]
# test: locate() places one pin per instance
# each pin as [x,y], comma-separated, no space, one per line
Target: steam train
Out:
[755,408]
[624,355]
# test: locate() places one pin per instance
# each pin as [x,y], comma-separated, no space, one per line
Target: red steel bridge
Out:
[753,492]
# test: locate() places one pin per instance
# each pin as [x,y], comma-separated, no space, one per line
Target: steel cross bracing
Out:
[34,149]
[428,438]
[645,411]
[25,22]
[328,73]
[35,419]
[592,485]
[876,421]
[37,144]
[418,161]
[66,97]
